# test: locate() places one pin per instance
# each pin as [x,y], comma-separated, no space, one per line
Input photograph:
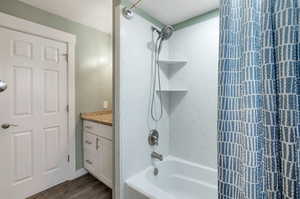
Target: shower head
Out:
[166,32]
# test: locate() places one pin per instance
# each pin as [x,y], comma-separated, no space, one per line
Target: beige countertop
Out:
[102,117]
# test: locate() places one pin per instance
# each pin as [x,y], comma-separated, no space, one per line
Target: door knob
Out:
[3,86]
[6,126]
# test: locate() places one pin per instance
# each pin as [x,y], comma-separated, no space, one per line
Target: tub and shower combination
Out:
[224,87]
[177,179]
[169,94]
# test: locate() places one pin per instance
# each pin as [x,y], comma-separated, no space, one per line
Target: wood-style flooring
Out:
[85,187]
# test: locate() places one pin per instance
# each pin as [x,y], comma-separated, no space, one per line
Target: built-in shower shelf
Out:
[172,90]
[172,62]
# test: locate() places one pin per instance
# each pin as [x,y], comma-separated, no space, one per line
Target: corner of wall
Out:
[144,14]
[196,19]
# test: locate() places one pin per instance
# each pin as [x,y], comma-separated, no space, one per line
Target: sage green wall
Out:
[93,60]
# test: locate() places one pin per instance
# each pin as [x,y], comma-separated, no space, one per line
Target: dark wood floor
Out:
[85,187]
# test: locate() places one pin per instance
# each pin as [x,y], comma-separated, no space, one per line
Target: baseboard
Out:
[79,173]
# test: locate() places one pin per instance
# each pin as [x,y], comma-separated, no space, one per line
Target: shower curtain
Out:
[259,100]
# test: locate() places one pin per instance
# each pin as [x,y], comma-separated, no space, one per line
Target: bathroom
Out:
[150,99]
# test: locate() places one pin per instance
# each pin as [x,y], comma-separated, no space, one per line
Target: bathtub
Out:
[177,179]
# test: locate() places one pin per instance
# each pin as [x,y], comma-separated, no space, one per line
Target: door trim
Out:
[118,182]
[21,25]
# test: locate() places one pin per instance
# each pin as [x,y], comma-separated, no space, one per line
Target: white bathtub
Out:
[177,179]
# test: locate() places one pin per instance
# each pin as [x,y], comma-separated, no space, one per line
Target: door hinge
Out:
[68,108]
[68,158]
[66,55]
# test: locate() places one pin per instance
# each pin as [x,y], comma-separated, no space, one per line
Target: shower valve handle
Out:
[153,137]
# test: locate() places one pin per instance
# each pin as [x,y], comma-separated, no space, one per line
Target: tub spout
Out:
[158,156]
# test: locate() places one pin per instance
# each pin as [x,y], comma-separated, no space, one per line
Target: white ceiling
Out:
[175,11]
[94,13]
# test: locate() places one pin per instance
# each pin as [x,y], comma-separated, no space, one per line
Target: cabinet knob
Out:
[89,162]
[88,127]
[6,125]
[88,142]
[3,86]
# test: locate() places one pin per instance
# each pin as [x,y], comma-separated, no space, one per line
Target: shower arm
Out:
[135,4]
[154,29]
[128,11]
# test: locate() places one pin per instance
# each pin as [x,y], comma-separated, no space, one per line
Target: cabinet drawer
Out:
[105,131]
[90,126]
[91,161]
[98,129]
[90,141]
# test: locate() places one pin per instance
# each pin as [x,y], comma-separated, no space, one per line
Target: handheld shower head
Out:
[166,32]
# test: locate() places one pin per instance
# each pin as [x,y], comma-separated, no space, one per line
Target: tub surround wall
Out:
[188,130]
[193,122]
[135,73]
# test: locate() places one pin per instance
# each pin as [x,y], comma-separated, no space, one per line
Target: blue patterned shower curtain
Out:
[259,100]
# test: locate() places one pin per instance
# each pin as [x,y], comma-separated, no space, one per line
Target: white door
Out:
[34,152]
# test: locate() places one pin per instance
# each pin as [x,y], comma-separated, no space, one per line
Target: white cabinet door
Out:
[34,153]
[106,161]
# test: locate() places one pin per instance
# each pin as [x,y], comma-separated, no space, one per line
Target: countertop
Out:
[102,117]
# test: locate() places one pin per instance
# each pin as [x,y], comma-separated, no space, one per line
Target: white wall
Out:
[193,122]
[135,75]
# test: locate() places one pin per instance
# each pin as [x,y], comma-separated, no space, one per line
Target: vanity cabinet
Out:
[98,151]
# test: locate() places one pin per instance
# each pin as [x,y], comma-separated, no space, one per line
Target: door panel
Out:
[51,91]
[52,148]
[35,150]
[51,54]
[22,86]
[22,156]
[22,49]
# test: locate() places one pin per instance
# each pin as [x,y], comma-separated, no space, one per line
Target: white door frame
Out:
[21,25]
[118,167]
